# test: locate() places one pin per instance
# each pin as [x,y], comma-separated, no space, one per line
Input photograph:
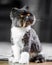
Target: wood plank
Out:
[45,63]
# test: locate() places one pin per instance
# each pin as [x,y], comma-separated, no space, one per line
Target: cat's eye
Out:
[21,15]
[28,14]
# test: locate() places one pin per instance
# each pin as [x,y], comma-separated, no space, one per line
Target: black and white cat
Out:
[25,42]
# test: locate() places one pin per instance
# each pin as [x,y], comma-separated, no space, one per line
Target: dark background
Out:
[42,10]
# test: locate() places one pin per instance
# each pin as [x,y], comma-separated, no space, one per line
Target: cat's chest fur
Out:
[18,33]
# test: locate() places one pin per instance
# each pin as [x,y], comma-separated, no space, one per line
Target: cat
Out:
[26,45]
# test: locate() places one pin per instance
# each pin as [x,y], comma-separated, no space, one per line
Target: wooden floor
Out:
[45,63]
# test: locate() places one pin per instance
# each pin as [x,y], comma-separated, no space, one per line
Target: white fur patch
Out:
[16,52]
[17,35]
[24,57]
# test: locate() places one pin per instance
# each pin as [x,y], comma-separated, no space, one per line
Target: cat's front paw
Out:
[24,58]
[13,60]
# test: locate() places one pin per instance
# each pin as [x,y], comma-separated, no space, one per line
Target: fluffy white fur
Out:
[24,57]
[17,35]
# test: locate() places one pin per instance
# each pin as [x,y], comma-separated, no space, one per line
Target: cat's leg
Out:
[16,53]
[24,58]
[35,48]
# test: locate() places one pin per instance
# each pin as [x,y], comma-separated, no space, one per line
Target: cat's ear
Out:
[26,8]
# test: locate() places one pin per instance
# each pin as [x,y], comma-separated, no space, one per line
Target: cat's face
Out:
[21,18]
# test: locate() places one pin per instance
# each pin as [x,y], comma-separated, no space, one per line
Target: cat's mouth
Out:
[25,24]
